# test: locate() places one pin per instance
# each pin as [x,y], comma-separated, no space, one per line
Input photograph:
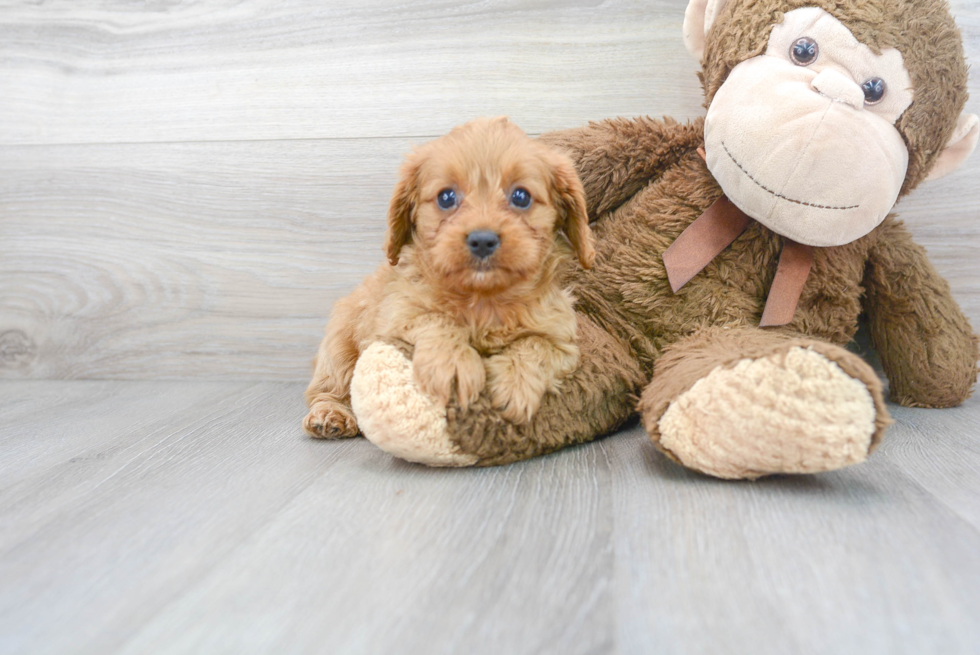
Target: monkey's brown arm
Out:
[926,345]
[618,156]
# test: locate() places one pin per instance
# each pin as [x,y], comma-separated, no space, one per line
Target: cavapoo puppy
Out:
[479,223]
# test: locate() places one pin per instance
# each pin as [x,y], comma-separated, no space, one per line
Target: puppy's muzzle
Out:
[482,243]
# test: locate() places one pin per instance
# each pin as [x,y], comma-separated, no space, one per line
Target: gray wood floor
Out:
[194,517]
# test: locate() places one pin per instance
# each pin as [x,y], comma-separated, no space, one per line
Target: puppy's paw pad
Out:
[330,421]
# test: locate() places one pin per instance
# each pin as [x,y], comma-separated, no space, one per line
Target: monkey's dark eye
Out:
[446,199]
[520,198]
[874,90]
[804,51]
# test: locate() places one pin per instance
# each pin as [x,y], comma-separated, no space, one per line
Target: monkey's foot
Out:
[792,411]
[396,416]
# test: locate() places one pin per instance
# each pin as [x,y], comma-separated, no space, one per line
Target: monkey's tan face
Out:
[803,138]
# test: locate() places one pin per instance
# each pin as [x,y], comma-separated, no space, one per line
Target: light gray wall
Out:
[185,188]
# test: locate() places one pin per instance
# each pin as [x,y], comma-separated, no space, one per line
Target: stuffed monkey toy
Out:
[736,252]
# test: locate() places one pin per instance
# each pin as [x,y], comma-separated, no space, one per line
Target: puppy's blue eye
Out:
[446,199]
[520,198]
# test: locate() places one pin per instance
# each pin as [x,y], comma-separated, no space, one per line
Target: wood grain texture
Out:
[96,72]
[189,517]
[213,491]
[864,560]
[126,491]
[179,260]
[221,260]
[948,466]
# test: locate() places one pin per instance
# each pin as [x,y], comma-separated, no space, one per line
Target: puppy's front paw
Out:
[330,420]
[471,377]
[516,389]
[436,369]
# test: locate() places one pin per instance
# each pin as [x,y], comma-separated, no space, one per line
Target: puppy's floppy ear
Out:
[569,199]
[401,210]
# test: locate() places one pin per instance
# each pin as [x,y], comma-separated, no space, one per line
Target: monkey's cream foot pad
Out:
[395,415]
[790,412]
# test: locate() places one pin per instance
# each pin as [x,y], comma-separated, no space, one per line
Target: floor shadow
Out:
[848,482]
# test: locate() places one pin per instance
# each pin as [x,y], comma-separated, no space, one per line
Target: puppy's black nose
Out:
[482,243]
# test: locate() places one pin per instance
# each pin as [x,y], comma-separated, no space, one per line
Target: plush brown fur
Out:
[645,183]
[503,322]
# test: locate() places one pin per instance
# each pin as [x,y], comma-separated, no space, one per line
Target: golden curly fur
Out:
[499,320]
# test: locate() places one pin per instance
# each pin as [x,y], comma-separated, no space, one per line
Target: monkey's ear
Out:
[569,199]
[401,210]
[698,19]
[960,145]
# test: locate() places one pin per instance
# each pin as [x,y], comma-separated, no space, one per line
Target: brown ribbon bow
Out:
[714,231]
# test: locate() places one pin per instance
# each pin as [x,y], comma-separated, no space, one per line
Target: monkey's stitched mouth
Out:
[778,195]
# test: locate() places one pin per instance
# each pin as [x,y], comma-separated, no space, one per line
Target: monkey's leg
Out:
[746,402]
[395,415]
[926,344]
